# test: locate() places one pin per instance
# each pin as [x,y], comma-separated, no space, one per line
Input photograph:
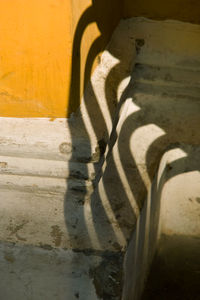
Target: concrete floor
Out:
[32,273]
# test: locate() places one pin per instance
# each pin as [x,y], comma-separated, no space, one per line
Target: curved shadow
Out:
[75,96]
[119,157]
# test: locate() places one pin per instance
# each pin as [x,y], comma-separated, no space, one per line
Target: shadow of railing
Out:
[151,228]
[106,218]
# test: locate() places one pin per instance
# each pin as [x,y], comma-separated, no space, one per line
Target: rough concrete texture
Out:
[176,262]
[169,221]
[81,184]
[29,272]
[163,122]
[160,109]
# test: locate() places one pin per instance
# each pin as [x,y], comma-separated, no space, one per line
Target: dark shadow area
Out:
[100,12]
[175,270]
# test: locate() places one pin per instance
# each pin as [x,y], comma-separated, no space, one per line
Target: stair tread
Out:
[40,138]
[36,184]
[160,89]
[166,75]
[46,168]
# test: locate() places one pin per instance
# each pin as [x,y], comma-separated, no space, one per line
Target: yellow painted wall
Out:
[182,10]
[48,48]
[35,52]
[36,49]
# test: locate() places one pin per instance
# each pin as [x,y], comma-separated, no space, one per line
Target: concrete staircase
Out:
[48,245]
[163,115]
[72,191]
[37,176]
[36,172]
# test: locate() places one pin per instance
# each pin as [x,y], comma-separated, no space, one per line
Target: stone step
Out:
[43,184]
[162,113]
[46,168]
[170,76]
[163,89]
[40,218]
[54,220]
[170,42]
[45,139]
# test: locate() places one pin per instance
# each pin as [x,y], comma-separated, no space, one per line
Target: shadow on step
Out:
[123,138]
[175,271]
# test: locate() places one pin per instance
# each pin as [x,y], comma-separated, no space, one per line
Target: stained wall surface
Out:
[35,51]
[182,10]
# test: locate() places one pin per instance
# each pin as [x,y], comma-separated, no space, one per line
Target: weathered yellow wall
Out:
[183,10]
[35,52]
[36,49]
[48,48]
